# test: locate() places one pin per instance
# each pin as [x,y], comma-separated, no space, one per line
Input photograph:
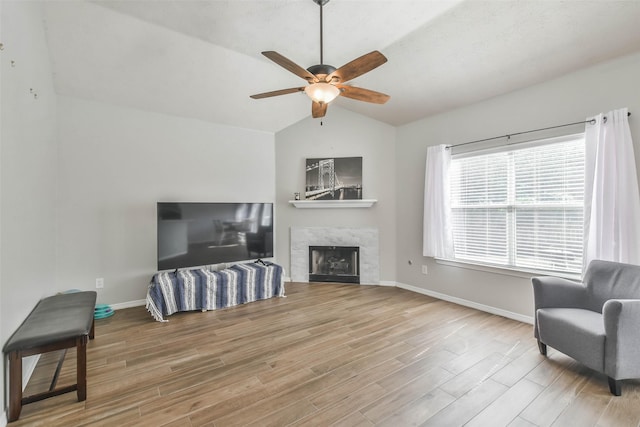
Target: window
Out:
[521,207]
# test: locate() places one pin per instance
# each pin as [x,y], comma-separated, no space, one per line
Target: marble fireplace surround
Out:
[364,237]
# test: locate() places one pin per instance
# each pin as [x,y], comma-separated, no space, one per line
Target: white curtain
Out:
[612,200]
[437,231]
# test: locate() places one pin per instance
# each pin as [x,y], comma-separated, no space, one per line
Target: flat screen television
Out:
[197,234]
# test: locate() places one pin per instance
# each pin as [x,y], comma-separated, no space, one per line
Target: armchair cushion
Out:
[575,332]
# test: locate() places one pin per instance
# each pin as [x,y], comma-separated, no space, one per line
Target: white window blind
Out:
[521,208]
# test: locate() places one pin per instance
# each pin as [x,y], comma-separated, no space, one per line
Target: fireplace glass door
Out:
[334,264]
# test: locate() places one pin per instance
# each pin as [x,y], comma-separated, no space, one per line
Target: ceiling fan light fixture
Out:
[322,93]
[326,82]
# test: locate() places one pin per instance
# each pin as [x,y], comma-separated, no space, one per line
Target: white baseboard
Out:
[467,303]
[128,304]
[3,419]
[387,283]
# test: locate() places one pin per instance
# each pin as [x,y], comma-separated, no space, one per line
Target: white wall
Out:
[115,163]
[28,168]
[568,99]
[343,134]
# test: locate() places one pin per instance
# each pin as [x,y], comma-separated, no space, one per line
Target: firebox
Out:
[334,264]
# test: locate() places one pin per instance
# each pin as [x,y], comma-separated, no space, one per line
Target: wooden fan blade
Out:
[277,92]
[290,65]
[318,110]
[361,94]
[357,67]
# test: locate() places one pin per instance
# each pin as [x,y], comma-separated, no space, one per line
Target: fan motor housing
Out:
[321,69]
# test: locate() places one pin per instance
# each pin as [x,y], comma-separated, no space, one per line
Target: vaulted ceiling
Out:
[201,58]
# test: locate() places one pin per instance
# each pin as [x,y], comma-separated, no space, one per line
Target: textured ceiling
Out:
[201,58]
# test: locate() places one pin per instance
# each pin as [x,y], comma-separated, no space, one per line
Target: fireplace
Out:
[334,264]
[365,238]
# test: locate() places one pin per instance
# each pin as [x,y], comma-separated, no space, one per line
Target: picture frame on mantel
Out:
[333,178]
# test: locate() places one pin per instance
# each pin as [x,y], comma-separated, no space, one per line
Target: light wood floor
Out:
[329,354]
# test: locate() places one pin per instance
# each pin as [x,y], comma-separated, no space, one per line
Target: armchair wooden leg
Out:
[542,347]
[615,386]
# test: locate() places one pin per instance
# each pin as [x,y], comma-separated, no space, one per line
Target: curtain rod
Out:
[508,136]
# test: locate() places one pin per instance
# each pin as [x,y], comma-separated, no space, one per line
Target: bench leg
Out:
[15,385]
[81,367]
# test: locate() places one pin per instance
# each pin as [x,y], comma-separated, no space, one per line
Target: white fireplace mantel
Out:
[315,204]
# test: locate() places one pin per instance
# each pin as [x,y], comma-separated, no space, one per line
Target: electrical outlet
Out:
[99,283]
[424,269]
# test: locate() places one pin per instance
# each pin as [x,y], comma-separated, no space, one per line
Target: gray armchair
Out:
[596,322]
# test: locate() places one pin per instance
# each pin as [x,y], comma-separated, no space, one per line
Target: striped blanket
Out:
[202,289]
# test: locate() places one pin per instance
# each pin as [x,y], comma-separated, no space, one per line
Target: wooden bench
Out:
[56,323]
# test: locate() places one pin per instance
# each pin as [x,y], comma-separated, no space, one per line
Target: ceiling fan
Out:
[327,82]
